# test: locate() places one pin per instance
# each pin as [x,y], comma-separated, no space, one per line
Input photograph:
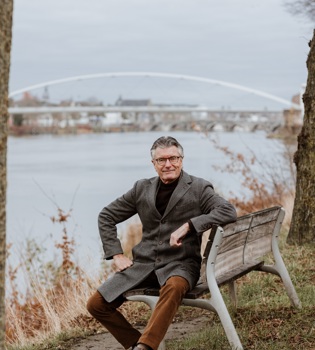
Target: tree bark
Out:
[303,218]
[6,11]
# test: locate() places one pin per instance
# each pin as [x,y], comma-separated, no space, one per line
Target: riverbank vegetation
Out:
[52,314]
[263,186]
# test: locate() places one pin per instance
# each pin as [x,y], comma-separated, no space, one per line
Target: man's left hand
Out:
[178,235]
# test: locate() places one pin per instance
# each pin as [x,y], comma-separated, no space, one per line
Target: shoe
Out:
[142,347]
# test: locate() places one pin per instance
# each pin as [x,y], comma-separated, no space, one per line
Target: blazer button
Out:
[160,242]
[163,221]
[158,260]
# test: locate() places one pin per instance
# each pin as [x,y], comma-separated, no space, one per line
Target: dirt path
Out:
[105,341]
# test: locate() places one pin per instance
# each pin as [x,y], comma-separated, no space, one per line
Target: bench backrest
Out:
[247,239]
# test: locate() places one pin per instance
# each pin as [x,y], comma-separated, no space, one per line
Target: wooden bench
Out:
[231,252]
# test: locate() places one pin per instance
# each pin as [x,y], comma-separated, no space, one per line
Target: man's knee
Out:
[95,303]
[176,285]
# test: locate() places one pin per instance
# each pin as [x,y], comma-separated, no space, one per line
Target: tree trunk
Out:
[6,10]
[303,220]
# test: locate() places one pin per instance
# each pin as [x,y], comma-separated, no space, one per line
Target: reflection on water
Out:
[86,172]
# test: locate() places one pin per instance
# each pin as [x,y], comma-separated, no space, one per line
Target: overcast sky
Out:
[255,43]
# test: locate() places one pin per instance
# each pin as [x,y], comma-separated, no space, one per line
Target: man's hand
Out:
[178,235]
[121,262]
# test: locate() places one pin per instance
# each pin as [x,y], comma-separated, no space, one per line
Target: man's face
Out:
[171,163]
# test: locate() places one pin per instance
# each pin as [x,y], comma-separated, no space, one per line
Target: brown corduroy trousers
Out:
[171,295]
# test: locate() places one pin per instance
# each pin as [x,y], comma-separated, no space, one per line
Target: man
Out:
[175,209]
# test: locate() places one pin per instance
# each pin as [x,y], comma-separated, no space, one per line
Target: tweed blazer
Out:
[193,199]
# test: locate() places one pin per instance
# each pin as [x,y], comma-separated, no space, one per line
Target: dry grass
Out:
[55,301]
[266,188]
[56,294]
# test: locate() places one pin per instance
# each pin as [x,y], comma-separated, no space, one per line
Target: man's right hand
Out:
[121,262]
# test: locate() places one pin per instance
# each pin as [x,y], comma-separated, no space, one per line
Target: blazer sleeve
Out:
[118,211]
[216,209]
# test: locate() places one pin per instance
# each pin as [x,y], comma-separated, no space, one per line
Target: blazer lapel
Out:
[182,187]
[151,194]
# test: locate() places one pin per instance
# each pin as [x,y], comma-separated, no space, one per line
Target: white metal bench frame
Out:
[232,252]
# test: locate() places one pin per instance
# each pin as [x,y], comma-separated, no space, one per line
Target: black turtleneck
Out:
[164,194]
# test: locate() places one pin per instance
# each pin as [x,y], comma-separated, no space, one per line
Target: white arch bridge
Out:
[140,109]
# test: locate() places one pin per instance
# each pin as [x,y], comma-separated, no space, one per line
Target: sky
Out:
[254,43]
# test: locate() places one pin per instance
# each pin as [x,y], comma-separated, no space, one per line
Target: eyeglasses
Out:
[173,160]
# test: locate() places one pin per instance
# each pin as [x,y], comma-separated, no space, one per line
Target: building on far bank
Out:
[293,118]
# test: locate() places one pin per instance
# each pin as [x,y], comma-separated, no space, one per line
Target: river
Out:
[86,172]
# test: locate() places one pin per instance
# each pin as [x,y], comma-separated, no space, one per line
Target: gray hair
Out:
[165,142]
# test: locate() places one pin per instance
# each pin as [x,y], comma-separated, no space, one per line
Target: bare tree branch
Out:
[305,8]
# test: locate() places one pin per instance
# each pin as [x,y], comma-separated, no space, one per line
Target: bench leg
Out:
[280,266]
[151,301]
[280,269]
[232,292]
[216,304]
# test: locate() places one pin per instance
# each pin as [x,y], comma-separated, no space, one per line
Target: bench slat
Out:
[258,248]
[261,231]
[229,260]
[242,224]
[266,215]
[238,272]
[233,241]
[251,220]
